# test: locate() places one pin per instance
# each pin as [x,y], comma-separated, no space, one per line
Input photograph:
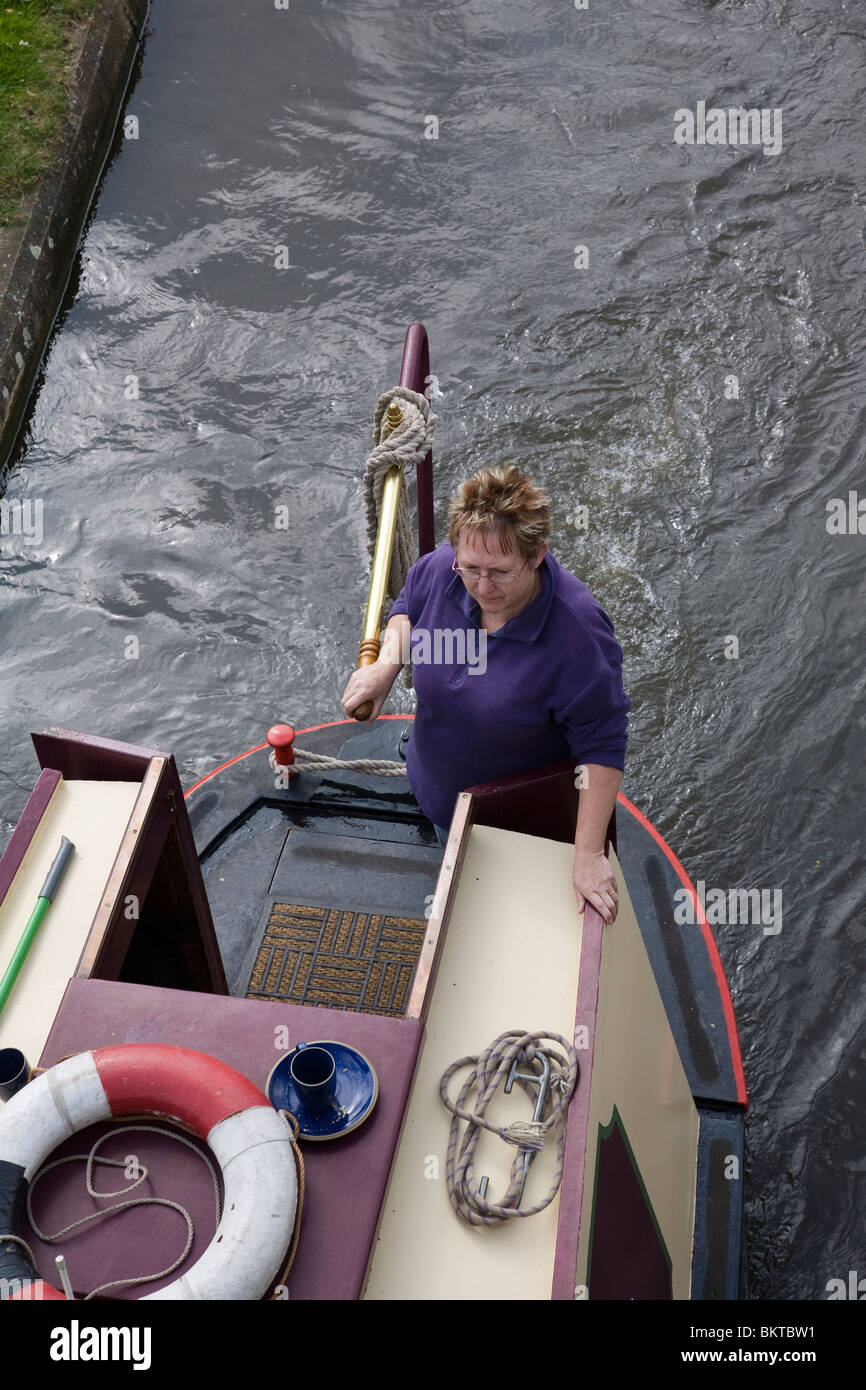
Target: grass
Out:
[36,43]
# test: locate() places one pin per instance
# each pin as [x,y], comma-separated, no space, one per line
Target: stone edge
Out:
[40,252]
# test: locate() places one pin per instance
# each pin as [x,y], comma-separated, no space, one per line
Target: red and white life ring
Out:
[251,1142]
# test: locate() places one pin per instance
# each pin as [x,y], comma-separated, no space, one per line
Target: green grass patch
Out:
[35,47]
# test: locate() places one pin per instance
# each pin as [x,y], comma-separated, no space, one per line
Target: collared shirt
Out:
[547,686]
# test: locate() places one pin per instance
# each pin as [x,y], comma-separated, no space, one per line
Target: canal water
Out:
[667,334]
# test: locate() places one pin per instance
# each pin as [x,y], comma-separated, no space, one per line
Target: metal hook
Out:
[542,1081]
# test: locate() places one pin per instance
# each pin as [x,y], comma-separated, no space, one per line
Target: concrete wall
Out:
[37,254]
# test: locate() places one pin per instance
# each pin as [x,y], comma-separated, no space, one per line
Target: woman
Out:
[515,666]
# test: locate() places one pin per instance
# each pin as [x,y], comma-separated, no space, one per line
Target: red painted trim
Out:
[577,1124]
[259,746]
[192,1087]
[712,949]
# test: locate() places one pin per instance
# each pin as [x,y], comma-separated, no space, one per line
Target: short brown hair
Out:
[507,503]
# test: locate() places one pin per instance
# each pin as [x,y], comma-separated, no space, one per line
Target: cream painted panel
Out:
[638,1069]
[94,816]
[510,961]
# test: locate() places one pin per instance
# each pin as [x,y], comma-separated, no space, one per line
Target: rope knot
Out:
[526,1134]
[405,446]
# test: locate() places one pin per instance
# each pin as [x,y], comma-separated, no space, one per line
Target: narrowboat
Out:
[207,955]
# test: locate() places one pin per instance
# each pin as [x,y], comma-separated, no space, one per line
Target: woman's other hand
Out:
[595,882]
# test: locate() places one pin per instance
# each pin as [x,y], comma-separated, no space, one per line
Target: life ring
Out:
[251,1142]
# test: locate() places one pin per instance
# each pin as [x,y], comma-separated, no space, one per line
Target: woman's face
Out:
[505,579]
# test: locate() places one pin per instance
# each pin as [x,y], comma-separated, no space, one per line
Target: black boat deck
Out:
[343,923]
[317,901]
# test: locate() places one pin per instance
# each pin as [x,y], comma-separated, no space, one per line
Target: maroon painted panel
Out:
[346,1178]
[24,831]
[627,1259]
[85,757]
[541,802]
[577,1128]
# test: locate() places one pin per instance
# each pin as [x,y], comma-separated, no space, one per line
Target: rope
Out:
[302,1187]
[320,762]
[489,1069]
[91,1158]
[405,446]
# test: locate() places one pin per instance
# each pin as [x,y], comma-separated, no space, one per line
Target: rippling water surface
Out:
[305,129]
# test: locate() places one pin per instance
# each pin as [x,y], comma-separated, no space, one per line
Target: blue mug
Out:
[314,1076]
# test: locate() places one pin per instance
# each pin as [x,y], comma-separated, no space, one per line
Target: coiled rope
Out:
[91,1157]
[405,446]
[490,1069]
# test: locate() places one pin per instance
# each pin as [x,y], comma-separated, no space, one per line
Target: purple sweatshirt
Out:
[547,686]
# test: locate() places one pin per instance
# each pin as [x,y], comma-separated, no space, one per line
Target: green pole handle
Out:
[43,902]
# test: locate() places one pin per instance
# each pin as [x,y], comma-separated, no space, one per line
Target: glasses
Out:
[473,574]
